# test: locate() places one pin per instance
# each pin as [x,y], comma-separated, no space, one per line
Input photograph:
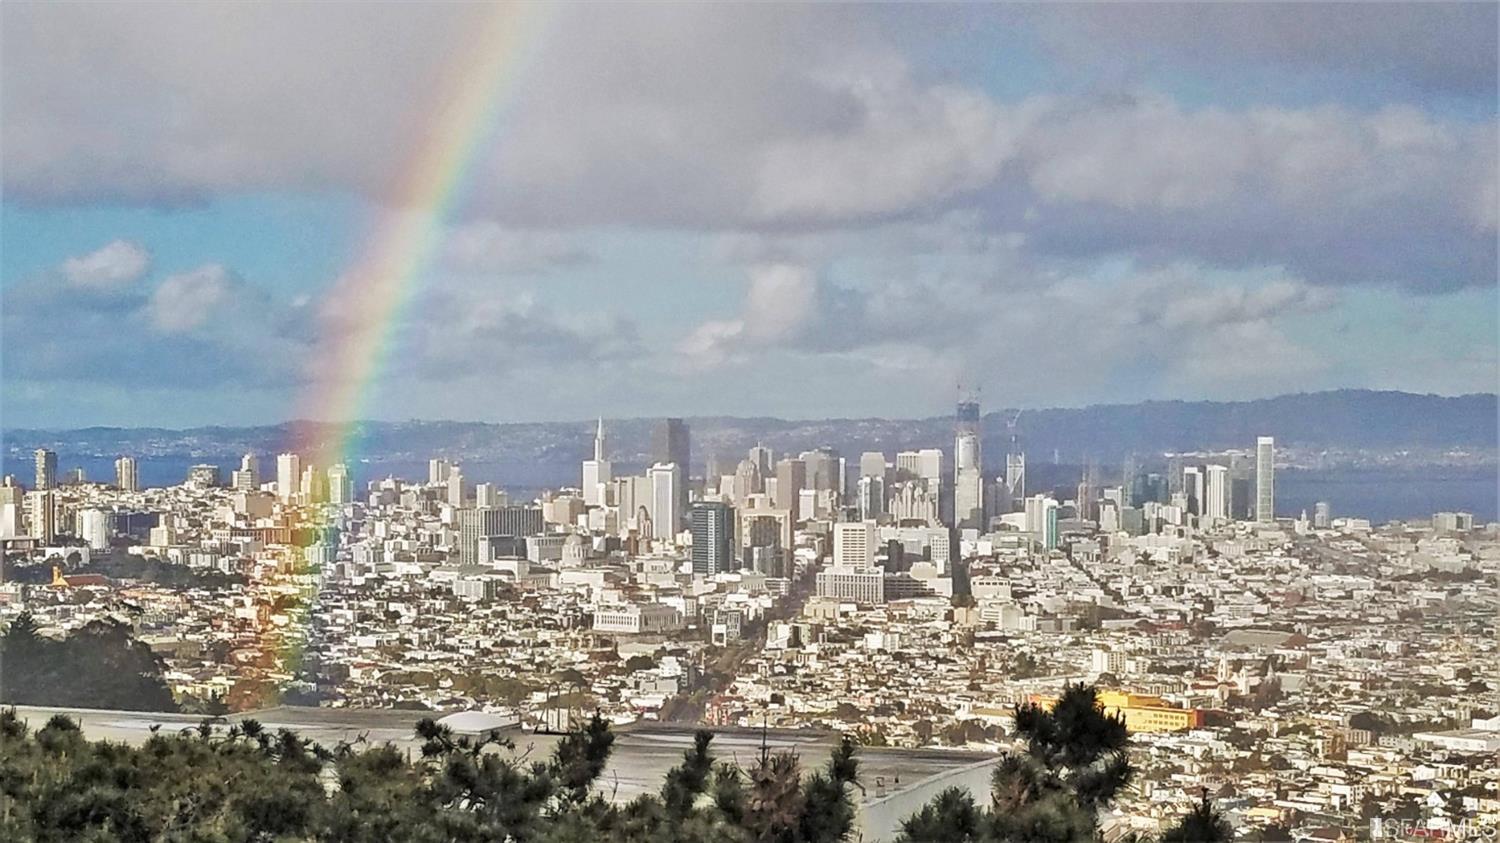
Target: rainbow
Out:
[366,303]
[363,310]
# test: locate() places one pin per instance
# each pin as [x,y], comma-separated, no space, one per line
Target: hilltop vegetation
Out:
[245,783]
[98,666]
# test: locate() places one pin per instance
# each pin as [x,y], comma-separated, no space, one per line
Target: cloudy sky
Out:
[700,209]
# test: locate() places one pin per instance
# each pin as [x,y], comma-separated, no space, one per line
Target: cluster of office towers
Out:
[747,515]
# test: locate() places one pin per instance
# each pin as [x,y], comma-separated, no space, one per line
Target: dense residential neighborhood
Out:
[1311,673]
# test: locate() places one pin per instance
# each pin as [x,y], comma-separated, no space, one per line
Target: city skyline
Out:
[933,199]
[521,420]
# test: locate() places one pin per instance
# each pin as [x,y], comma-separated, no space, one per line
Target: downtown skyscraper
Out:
[968,472]
[671,444]
[1265,480]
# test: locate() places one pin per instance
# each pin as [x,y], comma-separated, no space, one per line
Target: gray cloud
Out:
[1436,47]
[487,246]
[746,119]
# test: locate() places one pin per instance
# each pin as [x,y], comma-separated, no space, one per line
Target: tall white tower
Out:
[597,472]
[126,475]
[288,475]
[1216,499]
[665,514]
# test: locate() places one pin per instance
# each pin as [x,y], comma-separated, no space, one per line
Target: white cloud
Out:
[205,327]
[115,264]
[1050,337]
[188,301]
[781,300]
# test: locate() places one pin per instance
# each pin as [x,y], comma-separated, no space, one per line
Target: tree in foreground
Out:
[1073,766]
[246,783]
[98,666]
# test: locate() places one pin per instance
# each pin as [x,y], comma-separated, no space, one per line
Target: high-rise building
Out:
[791,479]
[1192,484]
[665,514]
[968,474]
[911,502]
[340,485]
[1322,515]
[712,524]
[288,476]
[1015,475]
[1265,479]
[1041,520]
[871,497]
[764,459]
[247,478]
[95,526]
[126,476]
[488,494]
[823,469]
[458,492]
[437,472]
[12,510]
[855,543]
[476,523]
[1216,496]
[46,470]
[925,465]
[203,475]
[314,485]
[42,512]
[597,472]
[671,444]
[748,480]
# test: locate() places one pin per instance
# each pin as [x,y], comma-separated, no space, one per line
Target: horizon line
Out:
[637,418]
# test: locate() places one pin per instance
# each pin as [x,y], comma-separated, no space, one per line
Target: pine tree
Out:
[1203,824]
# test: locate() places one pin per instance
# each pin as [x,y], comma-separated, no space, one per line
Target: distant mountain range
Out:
[1419,428]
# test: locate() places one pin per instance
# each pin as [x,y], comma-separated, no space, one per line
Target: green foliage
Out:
[1203,824]
[245,783]
[1073,766]
[98,666]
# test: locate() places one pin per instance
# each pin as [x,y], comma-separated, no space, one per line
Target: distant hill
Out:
[1343,420]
